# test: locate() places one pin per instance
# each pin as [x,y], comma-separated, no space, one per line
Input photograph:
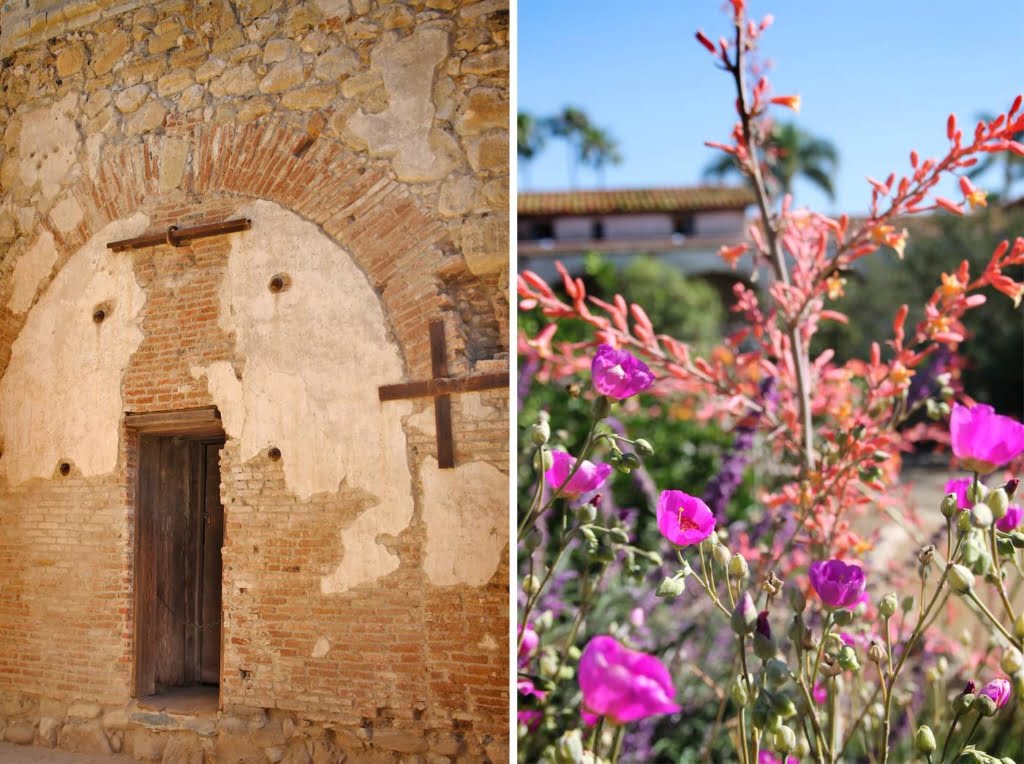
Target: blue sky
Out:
[876,78]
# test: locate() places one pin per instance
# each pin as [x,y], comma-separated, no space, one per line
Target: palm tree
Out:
[530,138]
[571,125]
[1012,164]
[598,150]
[789,152]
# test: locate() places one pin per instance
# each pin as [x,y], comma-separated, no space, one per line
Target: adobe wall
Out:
[364,590]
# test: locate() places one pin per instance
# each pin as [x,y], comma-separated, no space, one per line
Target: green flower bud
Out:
[1018,627]
[998,502]
[671,587]
[924,739]
[739,694]
[887,606]
[548,665]
[632,461]
[532,541]
[981,516]
[963,521]
[721,555]
[948,507]
[570,747]
[763,716]
[1004,545]
[744,616]
[586,514]
[931,408]
[1017,539]
[847,658]
[785,740]
[907,603]
[797,600]
[803,748]
[782,704]
[738,567]
[776,673]
[531,584]
[842,617]
[643,447]
[618,535]
[574,653]
[1012,661]
[544,622]
[976,491]
[540,433]
[960,579]
[602,407]
[543,460]
[962,703]
[984,705]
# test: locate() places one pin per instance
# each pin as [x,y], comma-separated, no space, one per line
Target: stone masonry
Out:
[364,591]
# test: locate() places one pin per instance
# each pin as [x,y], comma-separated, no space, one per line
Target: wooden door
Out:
[211,531]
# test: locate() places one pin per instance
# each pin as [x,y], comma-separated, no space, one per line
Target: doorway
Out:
[179,535]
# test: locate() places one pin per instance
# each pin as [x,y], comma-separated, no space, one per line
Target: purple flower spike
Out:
[589,477]
[1011,520]
[998,690]
[959,487]
[838,584]
[684,519]
[623,685]
[618,373]
[982,439]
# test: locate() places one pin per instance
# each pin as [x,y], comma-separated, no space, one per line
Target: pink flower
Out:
[1011,520]
[766,757]
[589,477]
[618,373]
[838,584]
[959,487]
[529,645]
[998,690]
[684,519]
[982,439]
[529,717]
[623,685]
[819,693]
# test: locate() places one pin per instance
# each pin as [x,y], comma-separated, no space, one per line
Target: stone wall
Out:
[364,589]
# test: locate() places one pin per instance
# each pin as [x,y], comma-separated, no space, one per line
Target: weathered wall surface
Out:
[364,590]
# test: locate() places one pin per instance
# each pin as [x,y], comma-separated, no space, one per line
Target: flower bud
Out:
[643,447]
[764,645]
[960,579]
[586,514]
[744,617]
[602,407]
[738,567]
[961,703]
[544,622]
[984,705]
[998,502]
[782,704]
[1018,627]
[887,606]
[776,673]
[963,521]
[924,740]
[847,658]
[1010,486]
[540,433]
[785,740]
[842,617]
[632,461]
[531,584]
[570,747]
[618,535]
[532,541]
[738,692]
[976,491]
[671,587]
[877,652]
[549,665]
[721,555]
[926,555]
[948,507]
[907,603]
[981,515]
[1012,661]
[797,600]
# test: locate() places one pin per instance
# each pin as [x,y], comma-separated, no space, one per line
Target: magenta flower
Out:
[618,373]
[982,439]
[529,645]
[1011,520]
[998,690]
[819,693]
[838,584]
[684,519]
[623,685]
[767,757]
[589,477]
[959,487]
[529,717]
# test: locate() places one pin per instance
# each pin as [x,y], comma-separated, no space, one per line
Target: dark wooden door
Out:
[180,530]
[211,540]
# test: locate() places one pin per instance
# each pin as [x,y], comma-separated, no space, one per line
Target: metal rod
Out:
[176,237]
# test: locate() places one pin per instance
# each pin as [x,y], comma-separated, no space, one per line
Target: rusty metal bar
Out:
[443,386]
[176,237]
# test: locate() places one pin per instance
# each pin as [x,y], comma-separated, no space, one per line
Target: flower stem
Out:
[949,734]
[620,733]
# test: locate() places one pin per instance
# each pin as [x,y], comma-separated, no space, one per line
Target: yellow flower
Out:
[835,285]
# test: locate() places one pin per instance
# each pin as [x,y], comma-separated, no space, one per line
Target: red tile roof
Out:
[635,200]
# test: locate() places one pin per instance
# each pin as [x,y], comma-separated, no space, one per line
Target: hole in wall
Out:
[274,454]
[101,312]
[279,282]
[64,469]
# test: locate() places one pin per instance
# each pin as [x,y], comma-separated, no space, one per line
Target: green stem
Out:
[620,733]
[821,647]
[949,734]
[974,728]
[995,621]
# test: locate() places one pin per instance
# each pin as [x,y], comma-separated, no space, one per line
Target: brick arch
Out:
[379,221]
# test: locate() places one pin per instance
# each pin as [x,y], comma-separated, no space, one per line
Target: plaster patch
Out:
[61,394]
[321,648]
[403,129]
[315,355]
[67,214]
[466,514]
[32,267]
[48,146]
